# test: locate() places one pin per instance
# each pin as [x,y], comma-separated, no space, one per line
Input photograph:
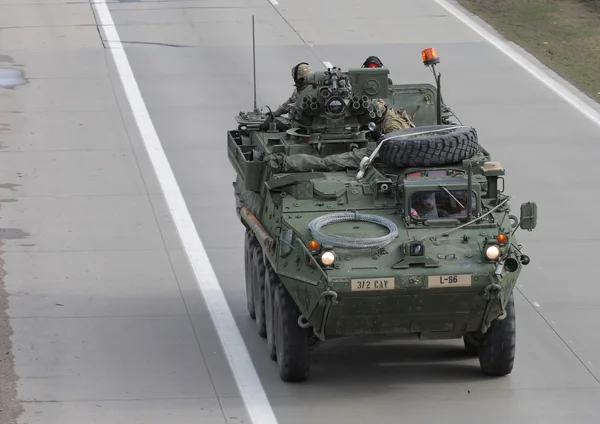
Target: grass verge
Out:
[562,34]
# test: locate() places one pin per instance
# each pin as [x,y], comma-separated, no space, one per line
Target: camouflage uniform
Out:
[392,120]
[285,106]
[298,73]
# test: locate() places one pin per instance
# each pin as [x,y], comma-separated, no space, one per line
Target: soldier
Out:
[372,62]
[424,205]
[391,120]
[375,62]
[299,71]
[455,205]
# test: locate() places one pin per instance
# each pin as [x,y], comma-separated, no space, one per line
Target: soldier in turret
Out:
[374,62]
[391,119]
[299,72]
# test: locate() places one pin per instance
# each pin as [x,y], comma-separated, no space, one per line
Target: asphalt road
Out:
[109,323]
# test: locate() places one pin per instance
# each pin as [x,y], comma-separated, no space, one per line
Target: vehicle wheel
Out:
[248,247]
[258,282]
[271,283]
[497,350]
[471,346]
[451,145]
[291,340]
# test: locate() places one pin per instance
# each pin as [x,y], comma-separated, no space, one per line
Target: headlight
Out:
[327,258]
[492,252]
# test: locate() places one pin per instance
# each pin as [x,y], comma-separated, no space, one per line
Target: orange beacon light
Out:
[430,56]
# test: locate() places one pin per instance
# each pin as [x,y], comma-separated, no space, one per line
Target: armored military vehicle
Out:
[351,232]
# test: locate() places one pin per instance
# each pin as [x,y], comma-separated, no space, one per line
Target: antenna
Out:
[256,111]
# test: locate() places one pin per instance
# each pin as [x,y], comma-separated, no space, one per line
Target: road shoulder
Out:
[563,35]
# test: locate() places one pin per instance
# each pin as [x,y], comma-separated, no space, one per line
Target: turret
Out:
[336,102]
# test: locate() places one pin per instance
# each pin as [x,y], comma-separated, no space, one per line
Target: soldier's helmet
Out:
[372,62]
[300,71]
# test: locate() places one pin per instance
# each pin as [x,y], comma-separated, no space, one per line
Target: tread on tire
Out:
[497,350]
[258,282]
[248,248]
[271,282]
[291,341]
[443,148]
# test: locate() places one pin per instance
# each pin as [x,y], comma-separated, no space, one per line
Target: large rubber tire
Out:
[291,341]
[258,282]
[453,145]
[497,350]
[248,247]
[271,283]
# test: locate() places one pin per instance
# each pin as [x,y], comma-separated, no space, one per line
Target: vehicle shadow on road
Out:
[404,360]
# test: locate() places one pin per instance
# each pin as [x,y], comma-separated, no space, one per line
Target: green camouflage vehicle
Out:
[349,232]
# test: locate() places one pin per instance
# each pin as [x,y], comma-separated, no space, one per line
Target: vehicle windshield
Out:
[442,203]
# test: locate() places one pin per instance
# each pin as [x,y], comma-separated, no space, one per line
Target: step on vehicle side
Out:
[349,232]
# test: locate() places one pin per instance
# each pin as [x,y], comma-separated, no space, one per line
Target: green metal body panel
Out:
[412,298]
[419,101]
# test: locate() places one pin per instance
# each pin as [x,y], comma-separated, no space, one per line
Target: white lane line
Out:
[558,88]
[274,2]
[251,389]
[537,305]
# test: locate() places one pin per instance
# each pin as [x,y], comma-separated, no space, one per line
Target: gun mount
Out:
[338,104]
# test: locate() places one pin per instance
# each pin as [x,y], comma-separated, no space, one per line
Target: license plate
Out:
[437,281]
[372,284]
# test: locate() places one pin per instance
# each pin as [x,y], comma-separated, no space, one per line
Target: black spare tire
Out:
[429,146]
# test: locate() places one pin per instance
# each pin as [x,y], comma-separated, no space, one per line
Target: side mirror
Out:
[528,219]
